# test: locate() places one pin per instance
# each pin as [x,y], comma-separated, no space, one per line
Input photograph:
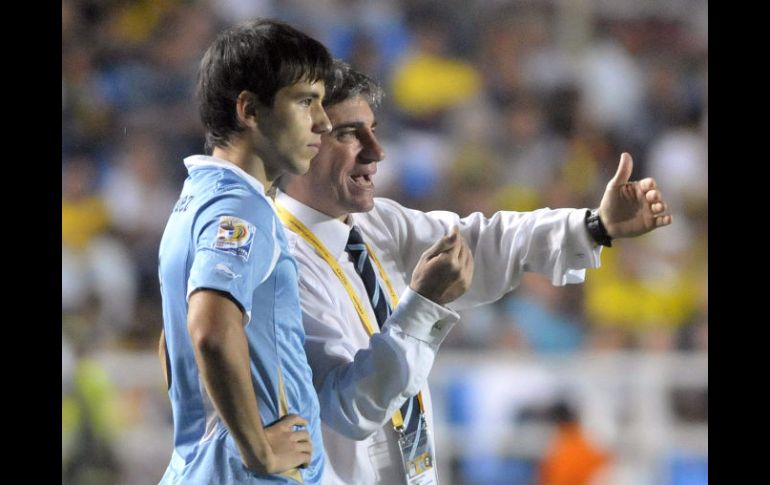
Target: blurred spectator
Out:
[648,304]
[139,197]
[546,317]
[95,264]
[572,459]
[428,80]
[427,83]
[89,425]
[531,154]
[470,181]
[138,193]
[87,113]
[611,80]
[680,156]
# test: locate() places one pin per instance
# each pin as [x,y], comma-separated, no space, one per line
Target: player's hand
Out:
[630,209]
[445,270]
[289,448]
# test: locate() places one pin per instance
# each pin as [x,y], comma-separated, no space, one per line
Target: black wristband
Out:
[596,228]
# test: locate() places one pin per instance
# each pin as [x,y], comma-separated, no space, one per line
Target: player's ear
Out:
[246,106]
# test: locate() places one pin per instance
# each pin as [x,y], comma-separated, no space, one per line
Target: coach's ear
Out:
[246,106]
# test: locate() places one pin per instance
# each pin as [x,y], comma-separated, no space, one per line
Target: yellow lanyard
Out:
[295,225]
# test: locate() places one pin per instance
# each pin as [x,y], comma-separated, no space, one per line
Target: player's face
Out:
[293,127]
[341,176]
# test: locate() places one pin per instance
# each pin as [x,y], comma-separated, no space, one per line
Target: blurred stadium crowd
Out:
[491,104]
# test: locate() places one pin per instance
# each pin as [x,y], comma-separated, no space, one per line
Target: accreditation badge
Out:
[417,456]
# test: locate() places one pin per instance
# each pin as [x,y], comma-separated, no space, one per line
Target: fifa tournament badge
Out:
[234,235]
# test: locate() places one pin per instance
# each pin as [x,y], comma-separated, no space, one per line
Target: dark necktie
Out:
[360,258]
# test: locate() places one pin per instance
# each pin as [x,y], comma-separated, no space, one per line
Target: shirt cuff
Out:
[585,251]
[422,319]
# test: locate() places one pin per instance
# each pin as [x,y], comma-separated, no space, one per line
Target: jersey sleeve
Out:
[236,247]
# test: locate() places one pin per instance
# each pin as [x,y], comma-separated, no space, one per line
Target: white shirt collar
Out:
[196,161]
[332,232]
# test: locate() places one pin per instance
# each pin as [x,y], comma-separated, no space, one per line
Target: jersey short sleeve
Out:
[235,246]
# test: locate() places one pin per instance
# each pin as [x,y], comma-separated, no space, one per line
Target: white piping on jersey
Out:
[276,254]
[212,417]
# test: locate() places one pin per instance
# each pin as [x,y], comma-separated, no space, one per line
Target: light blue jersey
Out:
[224,235]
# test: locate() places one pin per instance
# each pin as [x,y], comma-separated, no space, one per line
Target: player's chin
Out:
[300,166]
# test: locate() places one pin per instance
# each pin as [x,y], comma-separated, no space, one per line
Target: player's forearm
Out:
[162,356]
[223,361]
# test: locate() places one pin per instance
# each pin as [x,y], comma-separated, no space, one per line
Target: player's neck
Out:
[247,161]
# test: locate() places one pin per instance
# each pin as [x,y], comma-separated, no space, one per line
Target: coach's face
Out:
[341,176]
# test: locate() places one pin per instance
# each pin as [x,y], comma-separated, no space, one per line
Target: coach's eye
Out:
[346,135]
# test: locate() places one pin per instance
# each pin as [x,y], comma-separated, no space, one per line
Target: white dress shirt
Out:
[361,381]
